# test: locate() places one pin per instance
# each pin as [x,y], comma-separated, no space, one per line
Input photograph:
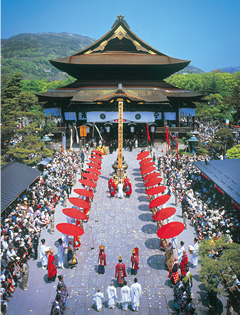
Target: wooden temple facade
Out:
[120,57]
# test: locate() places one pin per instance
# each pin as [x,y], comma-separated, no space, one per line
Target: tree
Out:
[223,140]
[219,262]
[234,153]
[234,101]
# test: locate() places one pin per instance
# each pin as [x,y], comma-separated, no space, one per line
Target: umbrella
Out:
[170,230]
[87,182]
[95,161]
[158,201]
[164,214]
[74,213]
[90,176]
[148,170]
[93,171]
[151,176]
[96,156]
[78,202]
[97,152]
[145,165]
[84,192]
[153,182]
[142,155]
[70,229]
[145,161]
[156,190]
[94,165]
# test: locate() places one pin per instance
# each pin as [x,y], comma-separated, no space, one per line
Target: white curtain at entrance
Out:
[113,116]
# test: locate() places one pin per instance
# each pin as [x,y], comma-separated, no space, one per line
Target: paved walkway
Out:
[120,225]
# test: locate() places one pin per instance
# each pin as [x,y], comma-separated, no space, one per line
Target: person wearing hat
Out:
[112,187]
[43,256]
[25,274]
[127,187]
[135,262]
[101,260]
[120,271]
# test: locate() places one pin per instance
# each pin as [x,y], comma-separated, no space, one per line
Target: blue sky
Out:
[207,32]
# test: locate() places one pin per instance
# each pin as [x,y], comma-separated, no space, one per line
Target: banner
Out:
[167,135]
[98,132]
[149,139]
[71,138]
[77,137]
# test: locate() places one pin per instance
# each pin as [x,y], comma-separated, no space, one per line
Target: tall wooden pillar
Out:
[120,137]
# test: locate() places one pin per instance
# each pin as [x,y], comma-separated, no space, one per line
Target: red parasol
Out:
[90,176]
[143,155]
[93,171]
[97,166]
[74,213]
[156,190]
[151,176]
[170,230]
[145,161]
[153,182]
[70,229]
[95,161]
[84,192]
[145,165]
[164,214]
[87,182]
[78,202]
[148,170]
[158,201]
[97,152]
[96,156]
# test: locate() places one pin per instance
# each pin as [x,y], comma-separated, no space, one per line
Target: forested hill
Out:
[29,53]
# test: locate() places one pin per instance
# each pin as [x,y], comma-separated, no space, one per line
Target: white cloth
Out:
[111,295]
[61,256]
[43,256]
[98,297]
[120,190]
[135,293]
[180,253]
[125,294]
[195,254]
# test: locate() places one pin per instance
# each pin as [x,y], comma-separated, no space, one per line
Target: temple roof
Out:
[119,54]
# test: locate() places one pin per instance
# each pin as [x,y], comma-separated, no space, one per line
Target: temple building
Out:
[121,58]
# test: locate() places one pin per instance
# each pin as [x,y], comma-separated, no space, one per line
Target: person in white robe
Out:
[195,252]
[98,297]
[120,189]
[180,251]
[111,295]
[43,256]
[125,296]
[135,294]
[61,250]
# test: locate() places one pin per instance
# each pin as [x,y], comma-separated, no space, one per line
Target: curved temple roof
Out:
[117,54]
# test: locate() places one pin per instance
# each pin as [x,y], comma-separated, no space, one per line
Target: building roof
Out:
[225,174]
[119,53]
[15,178]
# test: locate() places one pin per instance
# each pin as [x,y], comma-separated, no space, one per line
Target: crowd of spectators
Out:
[30,214]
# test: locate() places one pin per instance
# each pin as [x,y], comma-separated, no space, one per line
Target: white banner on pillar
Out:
[142,117]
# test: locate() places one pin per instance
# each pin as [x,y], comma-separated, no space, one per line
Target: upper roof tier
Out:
[119,54]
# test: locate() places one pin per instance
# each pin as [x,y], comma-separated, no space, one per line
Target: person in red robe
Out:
[184,263]
[112,187]
[120,272]
[135,262]
[101,260]
[127,187]
[52,267]
[77,241]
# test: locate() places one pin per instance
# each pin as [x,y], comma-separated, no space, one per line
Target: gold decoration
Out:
[120,29]
[151,52]
[88,52]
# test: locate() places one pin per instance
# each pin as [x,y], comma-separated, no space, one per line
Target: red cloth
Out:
[183,264]
[127,187]
[102,259]
[167,135]
[135,262]
[112,188]
[120,273]
[52,264]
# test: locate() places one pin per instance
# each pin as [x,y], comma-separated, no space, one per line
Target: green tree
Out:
[223,140]
[234,153]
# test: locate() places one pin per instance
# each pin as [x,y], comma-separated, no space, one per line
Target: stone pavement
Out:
[120,225]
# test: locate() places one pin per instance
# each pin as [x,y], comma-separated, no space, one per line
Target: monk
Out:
[127,187]
[52,267]
[120,272]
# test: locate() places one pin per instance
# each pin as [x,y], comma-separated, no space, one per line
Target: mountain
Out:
[230,69]
[190,69]
[29,53]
